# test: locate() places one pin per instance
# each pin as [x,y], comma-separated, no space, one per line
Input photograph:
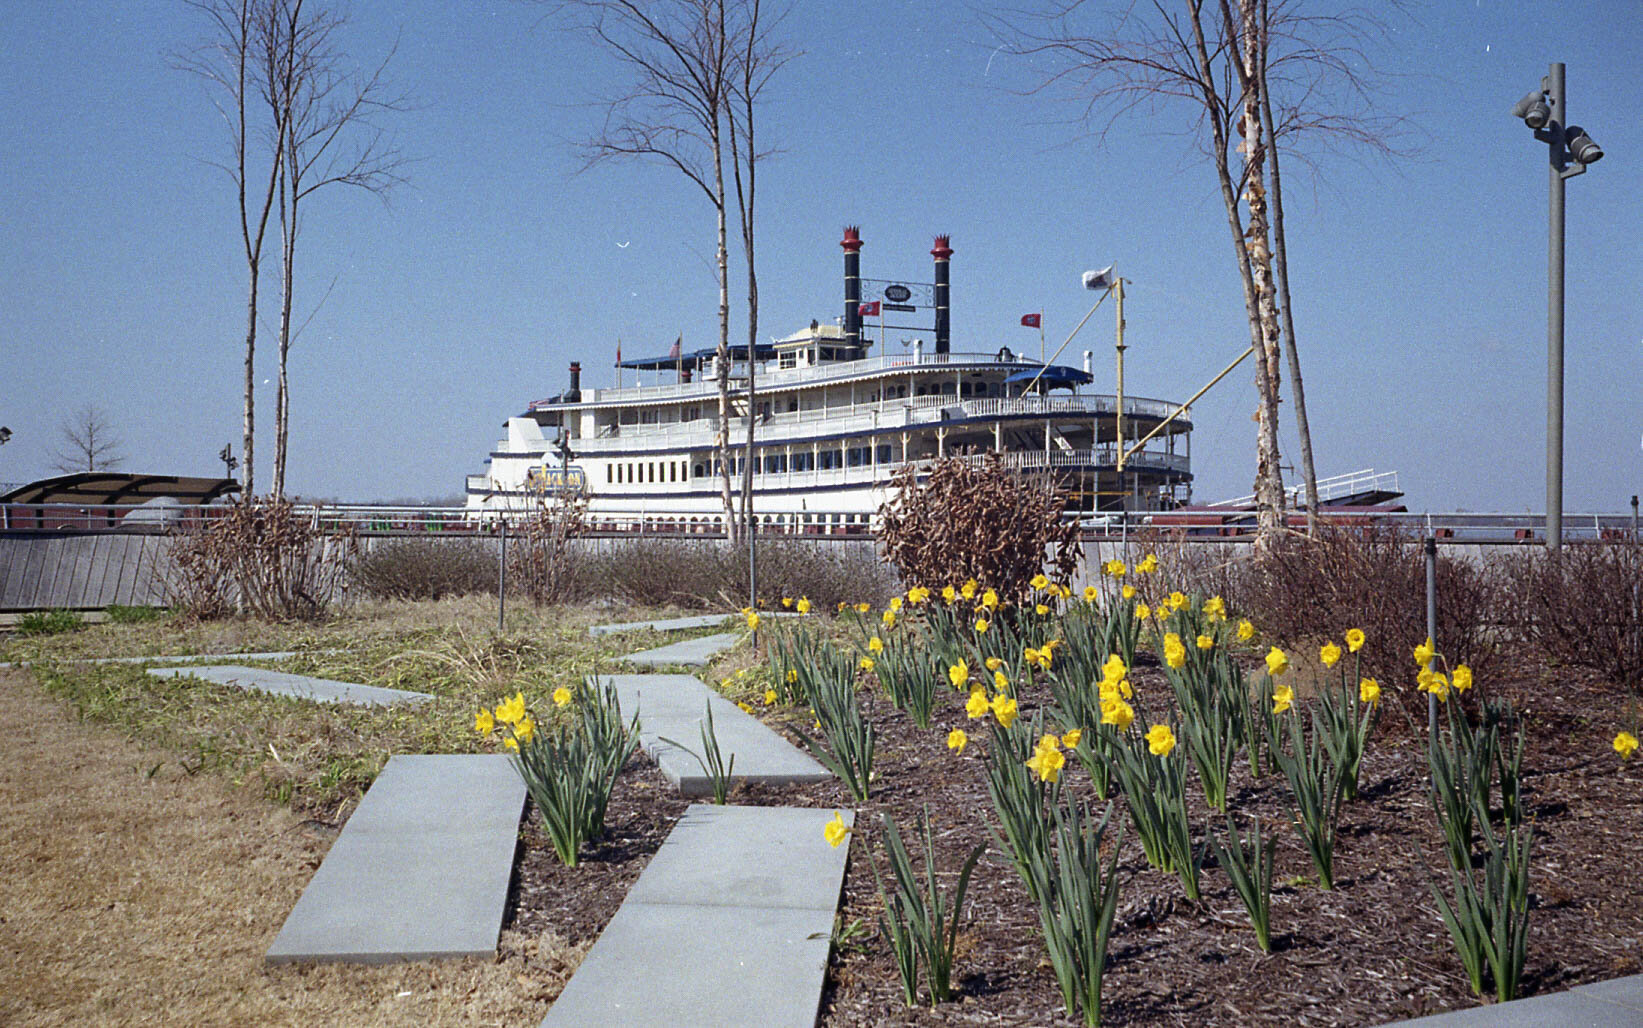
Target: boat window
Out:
[884,453]
[790,359]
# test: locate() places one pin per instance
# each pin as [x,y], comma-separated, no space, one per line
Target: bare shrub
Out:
[710,575]
[425,569]
[1581,607]
[261,557]
[1306,590]
[977,519]
[540,561]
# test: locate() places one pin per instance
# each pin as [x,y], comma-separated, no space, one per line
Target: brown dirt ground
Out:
[135,893]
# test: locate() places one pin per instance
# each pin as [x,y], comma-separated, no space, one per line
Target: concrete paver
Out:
[693,945]
[675,706]
[282,683]
[665,625]
[1613,1004]
[421,869]
[688,652]
[192,658]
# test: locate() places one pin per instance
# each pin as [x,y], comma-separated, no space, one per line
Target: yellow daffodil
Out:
[747,708]
[994,663]
[1148,564]
[968,589]
[1276,662]
[1246,631]
[1282,697]
[1179,600]
[989,599]
[1047,763]
[787,601]
[1039,581]
[803,606]
[1001,681]
[1128,592]
[842,605]
[1046,655]
[888,619]
[1354,639]
[510,711]
[977,706]
[1114,668]
[1070,740]
[561,696]
[1090,594]
[1215,608]
[1329,653]
[982,625]
[949,595]
[1160,740]
[1118,714]
[867,663]
[792,676]
[1175,654]
[484,723]
[875,644]
[895,603]
[1030,655]
[1114,568]
[959,674]
[1004,709]
[1425,652]
[753,620]
[957,740]
[1369,691]
[1040,609]
[1206,642]
[1625,744]
[834,831]
[511,745]
[524,729]
[1142,611]
[1433,682]
[769,697]
[917,594]
[1462,678]
[862,608]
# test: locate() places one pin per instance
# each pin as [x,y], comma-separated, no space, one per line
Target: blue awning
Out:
[1054,375]
[695,357]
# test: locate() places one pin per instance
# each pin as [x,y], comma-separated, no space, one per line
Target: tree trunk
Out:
[249,441]
[723,353]
[282,396]
[1280,264]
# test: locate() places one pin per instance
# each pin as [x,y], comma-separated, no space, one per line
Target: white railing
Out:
[1332,488]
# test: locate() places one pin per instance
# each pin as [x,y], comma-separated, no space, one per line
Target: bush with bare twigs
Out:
[1583,606]
[977,519]
[541,563]
[425,569]
[710,575]
[258,556]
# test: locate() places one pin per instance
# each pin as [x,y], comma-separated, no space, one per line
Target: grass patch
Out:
[50,622]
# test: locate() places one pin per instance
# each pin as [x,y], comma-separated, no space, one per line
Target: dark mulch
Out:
[1372,950]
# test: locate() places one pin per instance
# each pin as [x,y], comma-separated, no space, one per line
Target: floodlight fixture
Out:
[1581,146]
[1533,109]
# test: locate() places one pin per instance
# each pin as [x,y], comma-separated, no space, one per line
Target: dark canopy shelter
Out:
[106,488]
[1054,375]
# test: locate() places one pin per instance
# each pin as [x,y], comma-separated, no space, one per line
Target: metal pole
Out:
[1634,517]
[1118,427]
[1431,549]
[1554,312]
[502,579]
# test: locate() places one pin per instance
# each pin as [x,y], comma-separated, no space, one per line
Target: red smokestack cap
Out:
[852,239]
[941,251]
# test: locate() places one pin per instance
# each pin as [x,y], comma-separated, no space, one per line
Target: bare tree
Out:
[89,442]
[328,136]
[228,62]
[683,61]
[1259,76]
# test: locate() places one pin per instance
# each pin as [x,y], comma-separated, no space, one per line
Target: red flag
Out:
[673,351]
[1032,320]
[618,353]
[868,310]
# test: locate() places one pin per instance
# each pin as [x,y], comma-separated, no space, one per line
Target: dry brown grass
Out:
[134,895]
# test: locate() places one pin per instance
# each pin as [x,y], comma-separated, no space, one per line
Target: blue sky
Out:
[1420,284]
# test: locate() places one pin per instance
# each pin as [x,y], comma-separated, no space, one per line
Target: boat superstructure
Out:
[836,413]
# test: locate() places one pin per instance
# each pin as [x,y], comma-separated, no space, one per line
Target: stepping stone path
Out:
[668,625]
[688,653]
[729,924]
[421,870]
[1616,1003]
[675,706]
[281,683]
[280,655]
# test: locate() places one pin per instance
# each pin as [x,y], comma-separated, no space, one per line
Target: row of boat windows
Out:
[770,464]
[652,416]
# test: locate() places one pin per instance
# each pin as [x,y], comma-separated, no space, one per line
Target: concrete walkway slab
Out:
[693,945]
[688,653]
[1613,1004]
[421,870]
[675,706]
[281,683]
[665,625]
[192,658]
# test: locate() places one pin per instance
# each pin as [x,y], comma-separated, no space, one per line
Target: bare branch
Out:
[89,442]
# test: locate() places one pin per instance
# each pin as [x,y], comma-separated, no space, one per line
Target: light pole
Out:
[1570,150]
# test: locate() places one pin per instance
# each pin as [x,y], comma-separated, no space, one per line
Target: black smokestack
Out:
[852,284]
[574,393]
[942,252]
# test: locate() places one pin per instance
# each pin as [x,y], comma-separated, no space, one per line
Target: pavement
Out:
[1617,1003]
[281,683]
[730,924]
[421,869]
[697,652]
[666,625]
